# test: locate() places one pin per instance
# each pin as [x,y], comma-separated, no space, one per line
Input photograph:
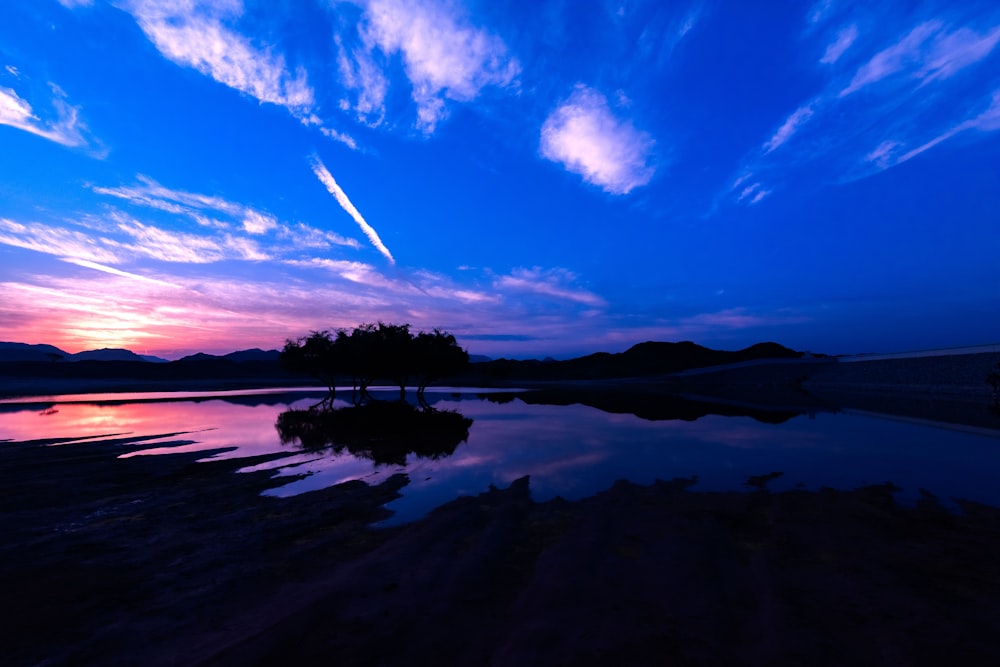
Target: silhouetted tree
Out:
[437,355]
[372,351]
[316,355]
[393,357]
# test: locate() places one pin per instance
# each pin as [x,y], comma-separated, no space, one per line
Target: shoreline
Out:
[162,561]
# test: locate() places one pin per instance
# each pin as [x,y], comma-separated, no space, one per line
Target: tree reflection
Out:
[384,432]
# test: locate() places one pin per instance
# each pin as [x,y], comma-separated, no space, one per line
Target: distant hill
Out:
[243,356]
[26,352]
[10,352]
[198,356]
[255,354]
[106,354]
[642,360]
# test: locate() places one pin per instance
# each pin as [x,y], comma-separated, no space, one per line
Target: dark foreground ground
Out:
[164,561]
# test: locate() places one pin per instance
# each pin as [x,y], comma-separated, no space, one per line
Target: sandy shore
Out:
[164,561]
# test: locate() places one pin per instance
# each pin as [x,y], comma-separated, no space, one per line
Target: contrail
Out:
[117,272]
[326,178]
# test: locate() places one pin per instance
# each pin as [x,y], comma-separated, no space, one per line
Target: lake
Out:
[571,451]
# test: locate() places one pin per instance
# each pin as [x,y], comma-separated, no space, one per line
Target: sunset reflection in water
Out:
[569,451]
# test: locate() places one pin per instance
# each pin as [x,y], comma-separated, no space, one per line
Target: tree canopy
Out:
[380,351]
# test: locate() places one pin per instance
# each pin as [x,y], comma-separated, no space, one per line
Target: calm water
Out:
[570,451]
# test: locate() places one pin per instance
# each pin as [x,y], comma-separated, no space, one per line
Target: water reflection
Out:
[572,446]
[384,432]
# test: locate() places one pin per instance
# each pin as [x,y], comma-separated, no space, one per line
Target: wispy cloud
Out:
[929,52]
[355,272]
[789,127]
[196,35]
[882,156]
[58,241]
[304,236]
[116,239]
[749,194]
[555,283]
[956,50]
[820,11]
[585,137]
[206,210]
[988,120]
[326,178]
[837,48]
[360,73]
[883,103]
[732,318]
[65,129]
[903,54]
[168,246]
[444,55]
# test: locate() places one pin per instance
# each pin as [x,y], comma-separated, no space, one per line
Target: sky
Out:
[550,178]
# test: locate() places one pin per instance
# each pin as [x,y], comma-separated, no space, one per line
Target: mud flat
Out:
[165,561]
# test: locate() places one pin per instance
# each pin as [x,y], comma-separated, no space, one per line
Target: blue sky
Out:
[547,178]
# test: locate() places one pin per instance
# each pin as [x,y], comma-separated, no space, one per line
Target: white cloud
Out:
[154,195]
[206,211]
[928,52]
[791,124]
[837,48]
[986,121]
[445,58]
[194,205]
[302,235]
[117,238]
[326,178]
[195,34]
[552,282]
[343,138]
[169,246]
[360,73]
[897,117]
[752,193]
[894,58]
[989,119]
[748,191]
[66,129]
[255,222]
[585,137]
[883,154]
[57,241]
[954,51]
[245,249]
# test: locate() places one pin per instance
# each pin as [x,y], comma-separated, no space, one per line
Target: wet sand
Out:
[164,561]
